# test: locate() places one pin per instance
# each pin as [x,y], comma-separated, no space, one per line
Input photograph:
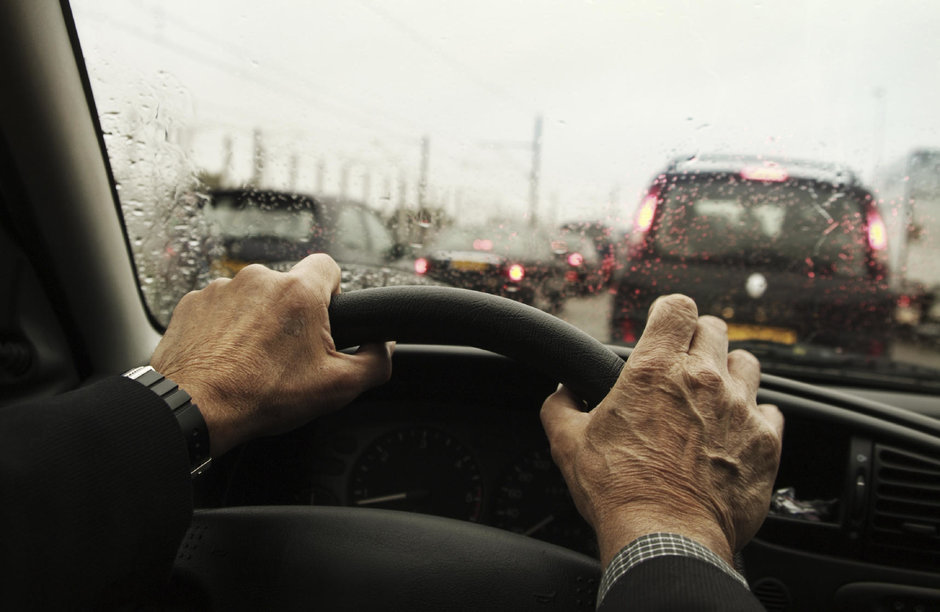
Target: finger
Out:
[670,326]
[745,367]
[318,270]
[710,340]
[563,421]
[772,415]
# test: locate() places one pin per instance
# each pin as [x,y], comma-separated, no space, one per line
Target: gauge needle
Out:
[390,498]
[544,522]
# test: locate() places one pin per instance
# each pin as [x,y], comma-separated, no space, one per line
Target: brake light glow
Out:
[627,331]
[877,234]
[770,173]
[421,265]
[644,218]
[516,272]
[482,244]
[575,259]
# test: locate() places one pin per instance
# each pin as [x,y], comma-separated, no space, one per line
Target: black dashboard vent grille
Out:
[905,521]
[772,594]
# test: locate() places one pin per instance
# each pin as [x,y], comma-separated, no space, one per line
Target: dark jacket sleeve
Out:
[96,496]
[678,583]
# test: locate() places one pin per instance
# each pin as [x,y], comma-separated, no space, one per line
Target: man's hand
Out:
[679,444]
[256,354]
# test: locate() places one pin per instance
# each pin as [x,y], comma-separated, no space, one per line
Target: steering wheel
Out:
[287,557]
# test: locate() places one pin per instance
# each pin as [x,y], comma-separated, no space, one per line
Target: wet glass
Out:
[544,122]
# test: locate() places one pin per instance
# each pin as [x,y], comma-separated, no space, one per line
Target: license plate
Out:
[469,266]
[737,331]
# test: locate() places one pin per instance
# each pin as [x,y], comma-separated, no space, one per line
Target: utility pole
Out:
[534,176]
[321,175]
[878,133]
[292,176]
[402,229]
[227,154]
[344,181]
[367,186]
[423,180]
[258,155]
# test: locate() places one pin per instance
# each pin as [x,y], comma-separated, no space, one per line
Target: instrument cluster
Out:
[484,464]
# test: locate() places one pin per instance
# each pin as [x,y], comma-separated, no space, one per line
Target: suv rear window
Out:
[789,223]
[246,218]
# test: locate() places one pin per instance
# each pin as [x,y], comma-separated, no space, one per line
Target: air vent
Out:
[772,594]
[905,523]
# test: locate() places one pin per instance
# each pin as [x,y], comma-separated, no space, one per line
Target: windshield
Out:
[624,149]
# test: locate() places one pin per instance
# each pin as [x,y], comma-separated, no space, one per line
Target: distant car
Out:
[589,257]
[785,252]
[518,264]
[278,229]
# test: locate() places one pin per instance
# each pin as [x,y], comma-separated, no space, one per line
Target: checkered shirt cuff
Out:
[655,545]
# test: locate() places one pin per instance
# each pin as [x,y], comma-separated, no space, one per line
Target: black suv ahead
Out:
[787,253]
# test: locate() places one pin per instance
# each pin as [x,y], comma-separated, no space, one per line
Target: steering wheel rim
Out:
[371,559]
[445,315]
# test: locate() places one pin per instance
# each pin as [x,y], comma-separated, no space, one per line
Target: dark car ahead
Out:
[518,264]
[588,253]
[279,228]
[789,253]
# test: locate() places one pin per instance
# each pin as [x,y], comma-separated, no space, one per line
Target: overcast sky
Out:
[622,85]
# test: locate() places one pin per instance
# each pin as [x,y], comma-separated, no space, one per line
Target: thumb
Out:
[369,366]
[564,422]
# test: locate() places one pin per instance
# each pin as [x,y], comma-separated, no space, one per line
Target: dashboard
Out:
[465,447]
[456,433]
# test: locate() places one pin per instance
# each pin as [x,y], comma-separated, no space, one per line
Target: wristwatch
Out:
[186,412]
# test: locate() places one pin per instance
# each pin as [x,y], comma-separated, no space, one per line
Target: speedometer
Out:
[418,470]
[533,500]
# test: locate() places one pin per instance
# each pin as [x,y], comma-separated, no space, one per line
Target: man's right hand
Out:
[679,444]
[256,354]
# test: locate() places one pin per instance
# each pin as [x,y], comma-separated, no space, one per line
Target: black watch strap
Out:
[186,412]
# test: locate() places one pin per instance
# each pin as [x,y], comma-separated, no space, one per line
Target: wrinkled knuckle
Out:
[192,296]
[252,272]
[325,264]
[743,358]
[293,288]
[214,285]
[770,440]
[648,369]
[714,322]
[707,376]
[680,305]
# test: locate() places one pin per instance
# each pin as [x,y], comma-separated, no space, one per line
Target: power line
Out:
[290,76]
[362,120]
[437,51]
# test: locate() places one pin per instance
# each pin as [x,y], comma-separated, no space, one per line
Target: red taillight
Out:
[627,331]
[877,234]
[575,259]
[516,272]
[421,265]
[644,218]
[769,172]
